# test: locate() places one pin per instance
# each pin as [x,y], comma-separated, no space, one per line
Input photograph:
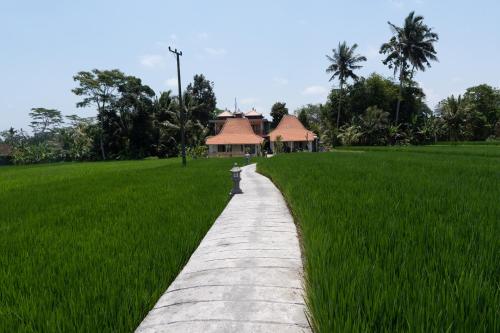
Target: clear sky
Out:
[256,51]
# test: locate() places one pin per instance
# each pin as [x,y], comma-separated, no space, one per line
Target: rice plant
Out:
[91,246]
[397,240]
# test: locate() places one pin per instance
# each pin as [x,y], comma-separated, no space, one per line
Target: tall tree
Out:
[411,48]
[164,144]
[13,137]
[278,110]
[98,88]
[310,116]
[452,111]
[374,123]
[343,63]
[302,116]
[195,131]
[202,94]
[484,100]
[45,121]
[135,113]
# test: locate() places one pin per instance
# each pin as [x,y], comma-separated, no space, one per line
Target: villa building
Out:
[293,135]
[237,133]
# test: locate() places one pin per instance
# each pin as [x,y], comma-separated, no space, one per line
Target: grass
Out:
[398,239]
[472,150]
[91,246]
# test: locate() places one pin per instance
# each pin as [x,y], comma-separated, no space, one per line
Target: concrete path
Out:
[246,275]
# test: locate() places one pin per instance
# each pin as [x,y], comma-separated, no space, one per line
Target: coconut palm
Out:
[343,63]
[411,48]
[194,129]
[453,112]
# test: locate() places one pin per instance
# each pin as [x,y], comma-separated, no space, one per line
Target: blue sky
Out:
[257,51]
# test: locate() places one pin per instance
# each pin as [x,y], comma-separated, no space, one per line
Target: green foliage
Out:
[131,123]
[303,118]
[197,151]
[473,116]
[97,87]
[312,116]
[45,121]
[399,239]
[350,135]
[13,137]
[379,91]
[278,110]
[202,93]
[195,131]
[411,48]
[134,123]
[278,145]
[374,123]
[343,63]
[90,247]
[36,152]
[77,140]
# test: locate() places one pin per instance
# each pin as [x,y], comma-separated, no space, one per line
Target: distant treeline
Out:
[369,109]
[134,122]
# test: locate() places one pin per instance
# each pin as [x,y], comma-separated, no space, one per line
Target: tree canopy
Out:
[278,110]
[343,63]
[411,48]
[202,94]
[44,120]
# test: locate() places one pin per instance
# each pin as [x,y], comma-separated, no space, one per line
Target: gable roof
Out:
[236,131]
[291,129]
[5,149]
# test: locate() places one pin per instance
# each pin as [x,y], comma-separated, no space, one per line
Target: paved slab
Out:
[245,276]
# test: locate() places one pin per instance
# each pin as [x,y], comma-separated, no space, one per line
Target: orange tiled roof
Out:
[291,129]
[236,131]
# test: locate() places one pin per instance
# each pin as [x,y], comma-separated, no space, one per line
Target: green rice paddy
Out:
[90,247]
[398,239]
[395,239]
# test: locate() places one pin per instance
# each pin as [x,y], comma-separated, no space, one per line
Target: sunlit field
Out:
[398,239]
[91,246]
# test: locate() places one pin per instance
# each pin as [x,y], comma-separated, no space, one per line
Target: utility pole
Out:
[183,139]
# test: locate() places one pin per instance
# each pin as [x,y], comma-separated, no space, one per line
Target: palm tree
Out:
[343,63]
[452,110]
[411,48]
[194,129]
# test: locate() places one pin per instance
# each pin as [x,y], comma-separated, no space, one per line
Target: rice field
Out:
[397,239]
[91,246]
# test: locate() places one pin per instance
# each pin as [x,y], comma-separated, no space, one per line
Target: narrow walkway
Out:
[246,275]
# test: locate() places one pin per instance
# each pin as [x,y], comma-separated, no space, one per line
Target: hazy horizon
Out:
[257,52]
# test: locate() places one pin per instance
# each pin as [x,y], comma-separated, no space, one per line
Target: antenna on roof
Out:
[235,105]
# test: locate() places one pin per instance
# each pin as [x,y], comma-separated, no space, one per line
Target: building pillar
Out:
[309,146]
